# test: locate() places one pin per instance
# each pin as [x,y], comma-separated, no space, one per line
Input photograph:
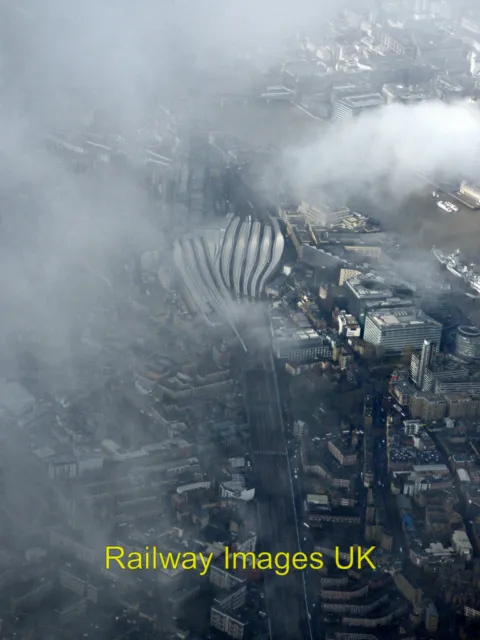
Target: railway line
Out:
[286,598]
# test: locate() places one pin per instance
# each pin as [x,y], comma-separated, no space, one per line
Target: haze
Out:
[64,61]
[387,148]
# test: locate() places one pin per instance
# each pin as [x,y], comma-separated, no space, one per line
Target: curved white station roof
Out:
[219,266]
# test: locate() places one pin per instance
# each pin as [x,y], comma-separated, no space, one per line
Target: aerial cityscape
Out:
[240,366]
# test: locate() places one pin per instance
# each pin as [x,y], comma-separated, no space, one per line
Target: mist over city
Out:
[240,337]
[389,148]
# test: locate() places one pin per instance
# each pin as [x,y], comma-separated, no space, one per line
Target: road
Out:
[286,600]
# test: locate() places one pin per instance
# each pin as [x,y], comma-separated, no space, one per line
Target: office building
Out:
[364,289]
[297,343]
[352,106]
[467,342]
[398,329]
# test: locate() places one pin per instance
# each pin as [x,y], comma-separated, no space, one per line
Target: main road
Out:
[286,598]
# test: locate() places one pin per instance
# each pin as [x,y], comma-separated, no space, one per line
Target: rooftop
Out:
[284,329]
[369,286]
[410,93]
[363,101]
[401,317]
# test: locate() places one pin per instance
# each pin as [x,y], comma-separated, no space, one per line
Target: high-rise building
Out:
[419,365]
[398,329]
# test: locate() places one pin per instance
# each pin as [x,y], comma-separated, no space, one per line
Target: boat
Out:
[435,194]
[446,206]
[451,206]
[474,282]
[443,259]
[454,268]
[468,273]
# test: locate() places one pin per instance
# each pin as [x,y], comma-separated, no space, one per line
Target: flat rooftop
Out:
[363,101]
[369,286]
[292,334]
[401,317]
[411,92]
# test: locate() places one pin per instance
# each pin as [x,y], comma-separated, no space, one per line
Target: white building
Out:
[398,329]
[348,326]
[462,544]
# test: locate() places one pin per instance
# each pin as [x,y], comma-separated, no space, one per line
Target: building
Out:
[447,376]
[402,94]
[343,451]
[431,618]
[219,265]
[369,250]
[462,405]
[293,343]
[408,588]
[299,428]
[398,329]
[352,106]
[462,544]
[427,405]
[467,342]
[224,579]
[347,273]
[399,41]
[364,289]
[228,622]
[420,363]
[472,191]
[319,212]
[348,326]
